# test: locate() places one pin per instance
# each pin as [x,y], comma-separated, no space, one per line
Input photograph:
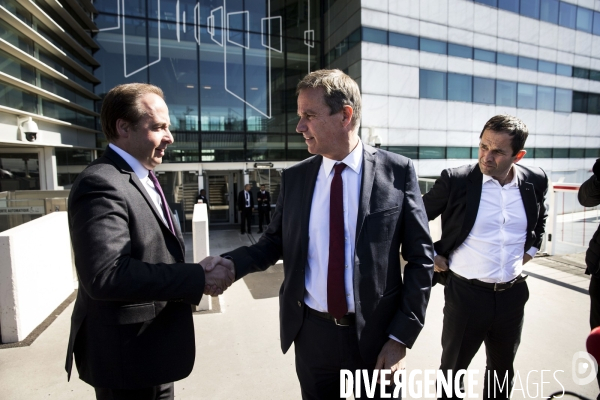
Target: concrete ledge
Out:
[201,248]
[36,274]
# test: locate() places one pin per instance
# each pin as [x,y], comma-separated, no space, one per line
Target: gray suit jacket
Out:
[390,214]
[132,323]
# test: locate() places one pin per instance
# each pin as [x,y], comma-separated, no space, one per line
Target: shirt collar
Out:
[352,160]
[138,168]
[513,182]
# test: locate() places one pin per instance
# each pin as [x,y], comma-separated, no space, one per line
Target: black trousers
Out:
[474,315]
[322,350]
[245,220]
[264,214]
[160,392]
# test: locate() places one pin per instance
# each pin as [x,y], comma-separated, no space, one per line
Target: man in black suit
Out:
[132,331]
[339,221]
[202,196]
[493,221]
[245,205]
[263,197]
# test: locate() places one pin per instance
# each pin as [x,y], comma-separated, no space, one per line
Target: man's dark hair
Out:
[340,90]
[516,128]
[122,102]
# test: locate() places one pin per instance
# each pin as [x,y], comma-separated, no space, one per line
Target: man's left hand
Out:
[526,258]
[392,356]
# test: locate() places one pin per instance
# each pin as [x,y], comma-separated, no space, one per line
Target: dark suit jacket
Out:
[204,200]
[242,201]
[390,214]
[132,323]
[265,205]
[589,196]
[456,195]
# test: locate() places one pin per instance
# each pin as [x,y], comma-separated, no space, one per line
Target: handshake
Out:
[219,274]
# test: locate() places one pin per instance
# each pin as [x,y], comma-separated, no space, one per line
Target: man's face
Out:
[247,188]
[323,133]
[262,188]
[495,154]
[147,141]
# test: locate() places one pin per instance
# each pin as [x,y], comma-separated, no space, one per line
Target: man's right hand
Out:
[219,274]
[440,263]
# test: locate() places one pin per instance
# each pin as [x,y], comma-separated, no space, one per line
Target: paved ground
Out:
[239,356]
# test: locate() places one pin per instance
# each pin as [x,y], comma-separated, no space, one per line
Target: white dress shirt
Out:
[247,196]
[142,174]
[493,251]
[318,230]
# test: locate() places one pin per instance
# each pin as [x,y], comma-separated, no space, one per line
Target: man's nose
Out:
[169,137]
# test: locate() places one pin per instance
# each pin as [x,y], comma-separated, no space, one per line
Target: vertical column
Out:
[50,181]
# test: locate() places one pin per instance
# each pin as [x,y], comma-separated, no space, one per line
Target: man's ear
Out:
[123,128]
[520,155]
[347,113]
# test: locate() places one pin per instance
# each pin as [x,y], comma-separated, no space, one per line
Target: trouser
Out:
[474,315]
[245,219]
[263,215]
[161,392]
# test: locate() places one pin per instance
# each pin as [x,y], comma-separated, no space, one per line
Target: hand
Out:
[219,274]
[440,264]
[526,258]
[392,356]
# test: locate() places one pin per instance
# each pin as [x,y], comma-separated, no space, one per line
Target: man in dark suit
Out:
[263,197]
[132,331]
[339,221]
[493,221]
[202,196]
[245,205]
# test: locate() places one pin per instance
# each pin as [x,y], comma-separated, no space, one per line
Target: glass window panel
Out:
[184,149]
[564,98]
[484,90]
[595,75]
[223,147]
[582,73]
[475,153]
[576,153]
[596,27]
[492,3]
[593,103]
[506,93]
[460,87]
[547,66]
[568,15]
[15,98]
[485,55]
[432,84]
[262,147]
[592,153]
[406,151]
[560,153]
[458,152]
[433,46]
[584,19]
[354,38]
[429,153]
[549,11]
[374,35]
[526,95]
[545,98]
[530,8]
[542,152]
[296,148]
[528,63]
[406,41]
[458,50]
[73,156]
[580,102]
[564,70]
[509,5]
[507,59]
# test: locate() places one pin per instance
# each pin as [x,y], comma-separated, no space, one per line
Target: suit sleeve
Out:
[100,223]
[417,251]
[589,192]
[540,226]
[436,199]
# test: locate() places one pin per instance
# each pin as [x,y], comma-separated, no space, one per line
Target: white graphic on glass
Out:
[215,25]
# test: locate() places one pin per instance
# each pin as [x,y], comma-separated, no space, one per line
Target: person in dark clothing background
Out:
[263,197]
[202,196]
[245,206]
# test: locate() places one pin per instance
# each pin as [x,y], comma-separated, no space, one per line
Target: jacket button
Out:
[299,304]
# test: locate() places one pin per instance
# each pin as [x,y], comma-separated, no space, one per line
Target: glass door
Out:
[221,187]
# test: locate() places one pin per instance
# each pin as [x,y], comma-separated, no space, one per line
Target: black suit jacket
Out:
[589,196]
[390,214]
[266,204]
[132,323]
[456,195]
[242,201]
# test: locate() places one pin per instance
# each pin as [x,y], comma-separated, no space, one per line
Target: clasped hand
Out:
[219,274]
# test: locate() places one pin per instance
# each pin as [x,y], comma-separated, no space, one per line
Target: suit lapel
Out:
[368,176]
[310,179]
[474,185]
[528,197]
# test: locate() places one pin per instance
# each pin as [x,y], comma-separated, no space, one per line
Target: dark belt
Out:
[496,287]
[346,320]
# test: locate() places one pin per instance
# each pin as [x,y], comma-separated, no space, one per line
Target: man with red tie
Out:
[339,221]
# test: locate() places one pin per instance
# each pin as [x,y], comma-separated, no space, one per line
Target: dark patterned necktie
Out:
[163,200]
[336,292]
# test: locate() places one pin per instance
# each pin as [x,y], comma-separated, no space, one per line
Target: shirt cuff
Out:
[397,340]
[532,251]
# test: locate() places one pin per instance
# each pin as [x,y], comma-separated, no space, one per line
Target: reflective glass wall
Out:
[229,70]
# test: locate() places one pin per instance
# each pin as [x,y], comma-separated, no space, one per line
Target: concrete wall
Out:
[36,274]
[201,245]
